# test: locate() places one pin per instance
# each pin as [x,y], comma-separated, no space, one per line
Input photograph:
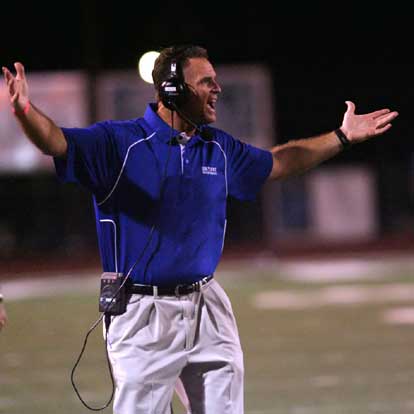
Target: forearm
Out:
[298,156]
[42,131]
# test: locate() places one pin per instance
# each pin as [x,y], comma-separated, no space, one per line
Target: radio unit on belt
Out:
[113,294]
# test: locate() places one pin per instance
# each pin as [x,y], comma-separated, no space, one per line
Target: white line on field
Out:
[26,287]
[333,296]
[369,267]
[399,316]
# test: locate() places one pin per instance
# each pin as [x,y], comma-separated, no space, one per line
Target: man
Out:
[3,314]
[160,185]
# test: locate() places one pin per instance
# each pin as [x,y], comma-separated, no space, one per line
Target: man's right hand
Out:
[38,127]
[18,88]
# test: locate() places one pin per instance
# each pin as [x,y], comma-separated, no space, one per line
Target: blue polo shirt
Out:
[161,204]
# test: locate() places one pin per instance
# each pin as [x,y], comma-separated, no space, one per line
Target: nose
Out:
[216,87]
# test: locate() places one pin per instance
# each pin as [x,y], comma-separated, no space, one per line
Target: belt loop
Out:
[155,292]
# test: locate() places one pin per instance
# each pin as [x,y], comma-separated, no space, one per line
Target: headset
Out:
[173,92]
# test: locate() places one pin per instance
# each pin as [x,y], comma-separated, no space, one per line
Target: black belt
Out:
[178,290]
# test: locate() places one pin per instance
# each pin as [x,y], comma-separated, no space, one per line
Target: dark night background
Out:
[319,55]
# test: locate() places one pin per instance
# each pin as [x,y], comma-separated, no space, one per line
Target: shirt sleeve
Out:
[248,168]
[92,158]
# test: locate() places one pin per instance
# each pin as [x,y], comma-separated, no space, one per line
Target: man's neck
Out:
[179,123]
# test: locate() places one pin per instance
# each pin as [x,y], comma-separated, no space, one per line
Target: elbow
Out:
[289,161]
[56,146]
[279,174]
[280,168]
[54,151]
[285,167]
[47,151]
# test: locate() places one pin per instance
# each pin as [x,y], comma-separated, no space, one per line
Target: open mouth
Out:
[212,105]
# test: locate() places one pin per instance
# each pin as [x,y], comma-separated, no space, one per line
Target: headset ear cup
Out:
[173,93]
[182,96]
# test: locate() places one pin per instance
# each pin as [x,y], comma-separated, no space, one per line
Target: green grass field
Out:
[333,352]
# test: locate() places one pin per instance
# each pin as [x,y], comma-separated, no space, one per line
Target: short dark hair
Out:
[181,54]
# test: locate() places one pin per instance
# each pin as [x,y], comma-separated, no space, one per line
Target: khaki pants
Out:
[192,337]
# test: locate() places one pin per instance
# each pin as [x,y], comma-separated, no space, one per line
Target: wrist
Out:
[23,111]
[343,139]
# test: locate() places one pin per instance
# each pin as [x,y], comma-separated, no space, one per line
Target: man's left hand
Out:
[359,128]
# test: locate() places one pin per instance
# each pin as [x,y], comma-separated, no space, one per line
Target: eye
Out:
[208,82]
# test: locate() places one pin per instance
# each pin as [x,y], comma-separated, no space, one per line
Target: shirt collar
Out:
[164,131]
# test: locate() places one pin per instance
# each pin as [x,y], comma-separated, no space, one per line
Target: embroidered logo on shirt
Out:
[209,170]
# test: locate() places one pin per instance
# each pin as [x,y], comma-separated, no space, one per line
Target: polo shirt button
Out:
[187,161]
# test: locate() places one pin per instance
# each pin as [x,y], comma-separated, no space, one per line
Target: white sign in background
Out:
[343,203]
[62,97]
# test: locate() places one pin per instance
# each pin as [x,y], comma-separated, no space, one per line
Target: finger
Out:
[19,70]
[385,128]
[350,107]
[11,86]
[9,81]
[7,74]
[385,119]
[379,113]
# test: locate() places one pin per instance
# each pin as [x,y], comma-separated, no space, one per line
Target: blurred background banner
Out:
[60,95]
[122,95]
[330,204]
[343,203]
[245,108]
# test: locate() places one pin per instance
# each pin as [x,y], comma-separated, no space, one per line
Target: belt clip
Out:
[155,292]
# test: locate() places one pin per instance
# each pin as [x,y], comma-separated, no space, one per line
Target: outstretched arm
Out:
[40,129]
[298,156]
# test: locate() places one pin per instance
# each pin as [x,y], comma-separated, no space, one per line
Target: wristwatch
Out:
[346,143]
